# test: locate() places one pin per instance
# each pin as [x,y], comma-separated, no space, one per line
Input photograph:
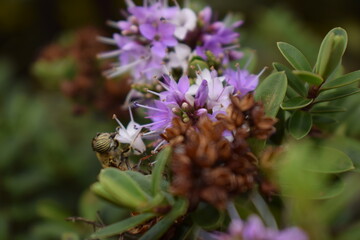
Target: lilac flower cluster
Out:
[218,38]
[254,229]
[156,37]
[209,94]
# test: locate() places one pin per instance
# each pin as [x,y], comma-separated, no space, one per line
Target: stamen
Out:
[130,3]
[248,61]
[150,133]
[164,86]
[106,40]
[120,70]
[232,47]
[155,93]
[176,3]
[262,71]
[118,121]
[110,54]
[158,146]
[131,114]
[152,124]
[112,24]
[148,107]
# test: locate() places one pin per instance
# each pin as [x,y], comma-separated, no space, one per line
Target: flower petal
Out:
[148,31]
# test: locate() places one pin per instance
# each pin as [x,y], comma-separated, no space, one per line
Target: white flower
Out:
[180,57]
[218,97]
[185,21]
[131,135]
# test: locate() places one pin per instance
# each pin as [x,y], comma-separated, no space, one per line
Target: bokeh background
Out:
[53,99]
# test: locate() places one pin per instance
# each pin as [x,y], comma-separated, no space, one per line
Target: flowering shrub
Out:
[217,136]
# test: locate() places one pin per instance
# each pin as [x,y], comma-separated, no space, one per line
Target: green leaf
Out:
[345,80]
[297,181]
[144,181]
[291,93]
[326,109]
[293,81]
[331,51]
[309,77]
[314,192]
[123,188]
[296,103]
[122,226]
[336,94]
[157,174]
[300,124]
[328,160]
[350,146]
[271,92]
[100,191]
[294,56]
[207,216]
[163,225]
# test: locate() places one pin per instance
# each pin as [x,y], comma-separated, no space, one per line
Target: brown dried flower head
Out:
[206,166]
[247,118]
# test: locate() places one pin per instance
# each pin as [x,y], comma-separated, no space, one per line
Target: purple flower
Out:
[175,91]
[153,12]
[160,114]
[145,40]
[242,80]
[254,229]
[218,38]
[161,35]
[218,95]
[201,95]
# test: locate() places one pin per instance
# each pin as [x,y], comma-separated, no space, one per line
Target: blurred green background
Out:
[46,160]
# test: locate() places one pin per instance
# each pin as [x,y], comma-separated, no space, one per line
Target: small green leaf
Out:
[326,109]
[157,174]
[300,124]
[345,80]
[336,94]
[294,56]
[123,188]
[122,226]
[328,160]
[99,190]
[163,225]
[291,93]
[271,92]
[331,51]
[296,103]
[293,81]
[350,146]
[207,216]
[144,181]
[309,77]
